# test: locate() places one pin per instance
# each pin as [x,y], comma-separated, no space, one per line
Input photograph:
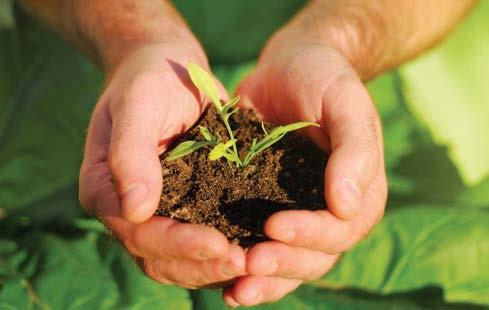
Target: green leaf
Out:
[186,148]
[228,115]
[277,131]
[205,83]
[447,90]
[418,246]
[44,112]
[89,271]
[231,103]
[275,135]
[206,134]
[221,150]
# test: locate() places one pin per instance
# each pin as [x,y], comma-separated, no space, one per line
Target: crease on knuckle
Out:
[202,278]
[150,269]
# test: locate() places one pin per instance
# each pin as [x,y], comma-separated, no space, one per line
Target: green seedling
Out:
[227,149]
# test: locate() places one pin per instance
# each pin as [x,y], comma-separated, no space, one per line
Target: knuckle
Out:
[151,270]
[198,279]
[115,158]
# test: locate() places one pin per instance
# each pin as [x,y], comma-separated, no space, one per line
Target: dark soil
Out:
[289,175]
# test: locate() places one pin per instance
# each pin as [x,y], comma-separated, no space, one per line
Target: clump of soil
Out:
[287,176]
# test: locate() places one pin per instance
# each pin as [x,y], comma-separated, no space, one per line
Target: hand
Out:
[148,100]
[297,81]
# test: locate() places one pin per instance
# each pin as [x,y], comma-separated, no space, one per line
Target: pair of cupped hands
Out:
[149,100]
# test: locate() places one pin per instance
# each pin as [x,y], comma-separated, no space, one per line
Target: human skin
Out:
[311,69]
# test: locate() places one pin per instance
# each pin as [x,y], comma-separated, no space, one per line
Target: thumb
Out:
[356,141]
[134,164]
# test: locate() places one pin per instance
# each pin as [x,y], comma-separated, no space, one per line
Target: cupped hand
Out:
[148,100]
[315,82]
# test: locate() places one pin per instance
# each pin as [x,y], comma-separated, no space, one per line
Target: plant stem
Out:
[231,136]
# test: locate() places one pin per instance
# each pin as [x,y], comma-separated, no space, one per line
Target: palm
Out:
[292,87]
[148,101]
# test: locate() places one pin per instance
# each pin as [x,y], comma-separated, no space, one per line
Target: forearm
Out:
[106,30]
[378,35]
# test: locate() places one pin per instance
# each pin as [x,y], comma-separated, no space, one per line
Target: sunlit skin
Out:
[312,69]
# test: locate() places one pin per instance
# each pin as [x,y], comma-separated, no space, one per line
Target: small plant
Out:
[228,149]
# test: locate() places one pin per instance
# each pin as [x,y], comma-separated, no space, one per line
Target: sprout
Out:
[228,150]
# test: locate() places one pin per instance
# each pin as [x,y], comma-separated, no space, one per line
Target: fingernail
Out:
[231,302]
[252,296]
[133,197]
[349,196]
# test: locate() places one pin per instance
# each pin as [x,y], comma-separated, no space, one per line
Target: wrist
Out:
[114,31]
[360,34]
[365,59]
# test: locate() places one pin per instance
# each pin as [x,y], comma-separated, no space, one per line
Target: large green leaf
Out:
[420,246]
[46,94]
[81,272]
[447,90]
[419,170]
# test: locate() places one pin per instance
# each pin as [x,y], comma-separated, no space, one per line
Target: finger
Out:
[228,298]
[323,231]
[355,134]
[159,237]
[314,230]
[133,156]
[92,172]
[278,259]
[198,274]
[254,290]
[163,238]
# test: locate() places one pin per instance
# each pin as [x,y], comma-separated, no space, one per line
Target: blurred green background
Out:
[431,251]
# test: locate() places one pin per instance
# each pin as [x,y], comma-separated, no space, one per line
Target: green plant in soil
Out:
[227,149]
